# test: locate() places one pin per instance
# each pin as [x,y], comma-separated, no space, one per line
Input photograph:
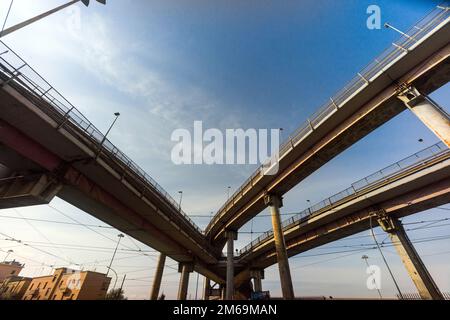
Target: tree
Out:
[116,294]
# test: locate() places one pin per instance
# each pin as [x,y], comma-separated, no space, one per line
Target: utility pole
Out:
[120,236]
[121,286]
[7,255]
[43,15]
[365,258]
[117,115]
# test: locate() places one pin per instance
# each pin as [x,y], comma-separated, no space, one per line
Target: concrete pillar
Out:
[158,276]
[185,269]
[275,204]
[231,237]
[206,289]
[257,275]
[419,274]
[429,112]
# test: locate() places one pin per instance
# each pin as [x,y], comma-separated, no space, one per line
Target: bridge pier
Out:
[185,269]
[158,277]
[419,274]
[257,275]
[275,203]
[429,112]
[231,237]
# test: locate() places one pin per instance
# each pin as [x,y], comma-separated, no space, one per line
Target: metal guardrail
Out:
[60,109]
[367,75]
[356,188]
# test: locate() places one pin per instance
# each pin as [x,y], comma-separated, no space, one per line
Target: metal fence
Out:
[416,296]
[18,72]
[383,175]
[372,71]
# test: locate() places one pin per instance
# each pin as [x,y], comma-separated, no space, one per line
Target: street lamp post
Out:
[120,236]
[228,192]
[43,15]
[7,255]
[389,26]
[181,198]
[117,115]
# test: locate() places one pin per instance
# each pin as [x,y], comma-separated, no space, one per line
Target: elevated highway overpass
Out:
[412,185]
[48,148]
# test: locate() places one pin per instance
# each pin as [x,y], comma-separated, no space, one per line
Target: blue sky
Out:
[252,64]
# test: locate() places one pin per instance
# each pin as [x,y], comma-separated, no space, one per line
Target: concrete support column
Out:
[429,112]
[158,276]
[206,289]
[419,274]
[185,269]
[257,275]
[275,204]
[231,237]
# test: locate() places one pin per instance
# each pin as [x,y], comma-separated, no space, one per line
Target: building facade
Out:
[14,288]
[66,284]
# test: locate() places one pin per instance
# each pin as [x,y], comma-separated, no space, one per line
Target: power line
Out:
[93,230]
[56,222]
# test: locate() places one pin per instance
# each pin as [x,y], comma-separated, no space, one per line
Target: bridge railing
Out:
[391,55]
[356,188]
[17,71]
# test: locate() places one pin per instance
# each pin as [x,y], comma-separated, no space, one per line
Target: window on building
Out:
[48,292]
[14,271]
[45,285]
[31,287]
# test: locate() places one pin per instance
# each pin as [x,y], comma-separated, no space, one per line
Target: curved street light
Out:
[7,254]
[43,15]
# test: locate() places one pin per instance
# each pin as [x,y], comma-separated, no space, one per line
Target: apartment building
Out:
[67,284]
[14,288]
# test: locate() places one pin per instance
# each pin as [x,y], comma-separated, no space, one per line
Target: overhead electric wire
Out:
[93,230]
[40,233]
